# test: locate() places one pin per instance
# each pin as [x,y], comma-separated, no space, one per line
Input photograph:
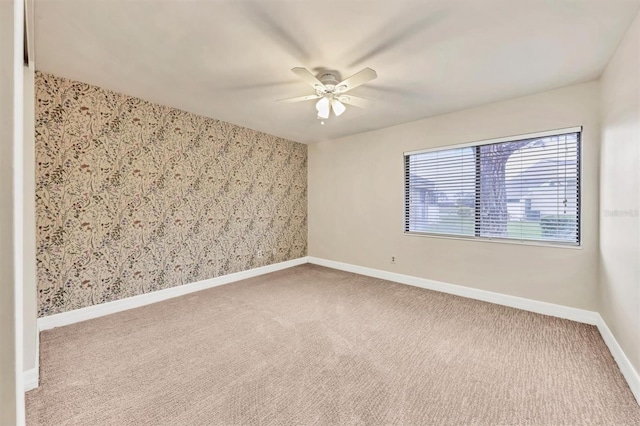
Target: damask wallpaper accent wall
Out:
[133,197]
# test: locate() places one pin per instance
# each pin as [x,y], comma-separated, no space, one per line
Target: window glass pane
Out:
[442,192]
[541,189]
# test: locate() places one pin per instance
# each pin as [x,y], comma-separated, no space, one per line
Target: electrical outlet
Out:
[393,260]
[260,254]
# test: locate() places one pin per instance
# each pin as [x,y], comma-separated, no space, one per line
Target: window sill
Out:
[495,240]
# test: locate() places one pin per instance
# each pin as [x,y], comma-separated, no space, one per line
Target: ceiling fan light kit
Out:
[330,91]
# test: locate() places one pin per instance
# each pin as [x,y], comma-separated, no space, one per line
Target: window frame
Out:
[536,135]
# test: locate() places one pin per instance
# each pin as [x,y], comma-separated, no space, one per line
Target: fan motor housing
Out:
[330,81]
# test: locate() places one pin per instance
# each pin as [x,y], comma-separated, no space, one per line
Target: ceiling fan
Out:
[331,92]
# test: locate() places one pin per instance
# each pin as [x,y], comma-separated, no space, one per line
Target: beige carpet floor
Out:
[315,346]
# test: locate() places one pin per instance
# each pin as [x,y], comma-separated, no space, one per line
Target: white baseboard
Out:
[545,308]
[31,379]
[629,373]
[95,311]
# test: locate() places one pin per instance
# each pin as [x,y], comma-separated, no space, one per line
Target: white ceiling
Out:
[231,59]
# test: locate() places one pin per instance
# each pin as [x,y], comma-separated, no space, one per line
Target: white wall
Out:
[30,312]
[356,202]
[619,290]
[9,381]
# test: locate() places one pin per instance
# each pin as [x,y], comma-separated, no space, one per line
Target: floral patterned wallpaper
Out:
[133,197]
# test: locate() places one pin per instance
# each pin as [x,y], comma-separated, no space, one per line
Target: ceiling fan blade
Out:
[299,99]
[356,80]
[355,101]
[398,32]
[308,78]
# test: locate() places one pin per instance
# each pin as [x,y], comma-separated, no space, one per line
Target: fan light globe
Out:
[323,108]
[338,107]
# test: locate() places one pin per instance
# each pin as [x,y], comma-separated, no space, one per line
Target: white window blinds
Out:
[525,189]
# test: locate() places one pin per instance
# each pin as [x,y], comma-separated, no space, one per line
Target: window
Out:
[521,188]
